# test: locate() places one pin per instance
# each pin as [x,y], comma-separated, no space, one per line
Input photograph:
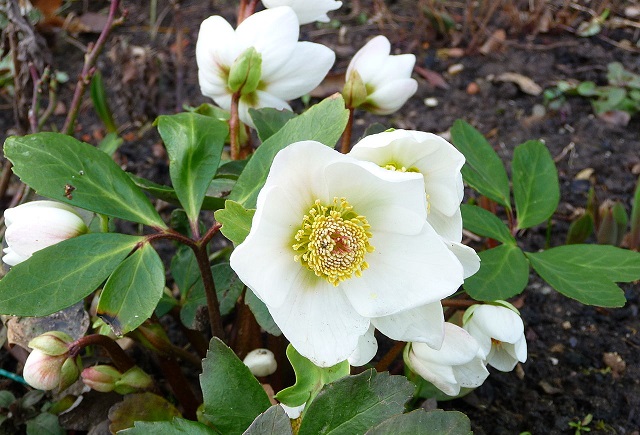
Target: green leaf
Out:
[167,194]
[309,378]
[274,421]
[140,407]
[504,273]
[99,99]
[580,229]
[62,168]
[355,404]
[177,426]
[483,170]
[323,122]
[261,313]
[44,424]
[484,223]
[184,269]
[535,183]
[269,121]
[194,143]
[236,221]
[420,422]
[61,275]
[110,143]
[132,291]
[233,397]
[588,273]
[228,288]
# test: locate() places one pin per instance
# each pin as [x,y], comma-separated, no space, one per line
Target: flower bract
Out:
[288,68]
[307,11]
[335,243]
[36,225]
[387,78]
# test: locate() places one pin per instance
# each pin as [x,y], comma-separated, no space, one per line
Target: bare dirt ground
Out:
[151,70]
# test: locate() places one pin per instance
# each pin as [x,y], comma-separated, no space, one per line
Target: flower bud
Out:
[47,372]
[261,362]
[354,91]
[37,225]
[52,343]
[101,378]
[132,380]
[69,372]
[245,72]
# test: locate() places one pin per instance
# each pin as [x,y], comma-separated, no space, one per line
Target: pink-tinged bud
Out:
[134,379]
[37,225]
[261,362]
[101,378]
[47,372]
[52,343]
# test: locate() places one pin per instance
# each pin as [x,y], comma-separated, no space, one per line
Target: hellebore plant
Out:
[300,241]
[307,11]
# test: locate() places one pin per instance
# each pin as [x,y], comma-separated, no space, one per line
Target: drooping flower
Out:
[386,78]
[36,225]
[500,332]
[440,163]
[49,365]
[307,11]
[288,69]
[457,364]
[261,362]
[336,242]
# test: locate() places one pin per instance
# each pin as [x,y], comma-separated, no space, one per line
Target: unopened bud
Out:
[53,343]
[354,91]
[69,372]
[47,372]
[261,362]
[246,71]
[134,379]
[101,377]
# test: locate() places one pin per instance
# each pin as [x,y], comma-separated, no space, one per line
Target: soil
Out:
[575,352]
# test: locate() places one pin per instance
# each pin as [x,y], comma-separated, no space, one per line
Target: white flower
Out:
[500,332]
[289,68]
[261,362]
[36,225]
[336,242]
[457,364]
[387,78]
[307,11]
[440,163]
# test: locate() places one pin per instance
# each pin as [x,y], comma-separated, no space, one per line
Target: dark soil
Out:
[567,375]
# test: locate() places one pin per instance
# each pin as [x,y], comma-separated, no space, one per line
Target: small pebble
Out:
[554,361]
[538,110]
[566,325]
[473,88]
[573,341]
[456,68]
[431,102]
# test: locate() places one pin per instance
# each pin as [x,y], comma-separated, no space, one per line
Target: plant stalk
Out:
[345,147]
[120,359]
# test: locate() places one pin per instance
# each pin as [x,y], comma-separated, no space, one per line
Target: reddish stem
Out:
[346,136]
[234,127]
[120,359]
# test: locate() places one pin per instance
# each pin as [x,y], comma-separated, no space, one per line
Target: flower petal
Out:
[307,11]
[366,350]
[424,324]
[216,50]
[467,257]
[370,58]
[404,272]
[458,347]
[499,323]
[500,359]
[448,227]
[472,374]
[11,258]
[320,322]
[390,97]
[304,70]
[257,101]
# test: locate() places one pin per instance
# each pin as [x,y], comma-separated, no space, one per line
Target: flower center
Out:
[332,241]
[392,166]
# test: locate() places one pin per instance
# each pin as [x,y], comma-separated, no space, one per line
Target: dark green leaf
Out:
[167,194]
[62,168]
[194,143]
[580,229]
[231,169]
[420,422]
[536,191]
[261,313]
[140,407]
[269,121]
[504,273]
[44,424]
[236,221]
[323,122]
[177,426]
[99,99]
[61,275]
[484,223]
[309,378]
[483,170]
[634,235]
[184,269]
[355,404]
[132,291]
[273,421]
[588,272]
[233,397]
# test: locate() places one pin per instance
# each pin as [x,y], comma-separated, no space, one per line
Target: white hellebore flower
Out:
[261,362]
[500,332]
[307,11]
[440,163]
[336,242]
[286,69]
[387,78]
[36,225]
[457,364]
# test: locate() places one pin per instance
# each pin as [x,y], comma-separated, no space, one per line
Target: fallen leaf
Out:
[526,85]
[434,78]
[47,7]
[585,174]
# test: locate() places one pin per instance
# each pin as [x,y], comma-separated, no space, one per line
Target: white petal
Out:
[11,258]
[264,99]
[501,360]
[404,147]
[394,68]
[370,58]
[304,70]
[307,11]
[483,339]
[404,272]
[499,323]
[366,350]
[520,349]
[293,412]
[320,323]
[390,97]
[467,257]
[458,347]
[471,375]
[216,50]
[441,376]
[448,227]
[423,324]
[273,33]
